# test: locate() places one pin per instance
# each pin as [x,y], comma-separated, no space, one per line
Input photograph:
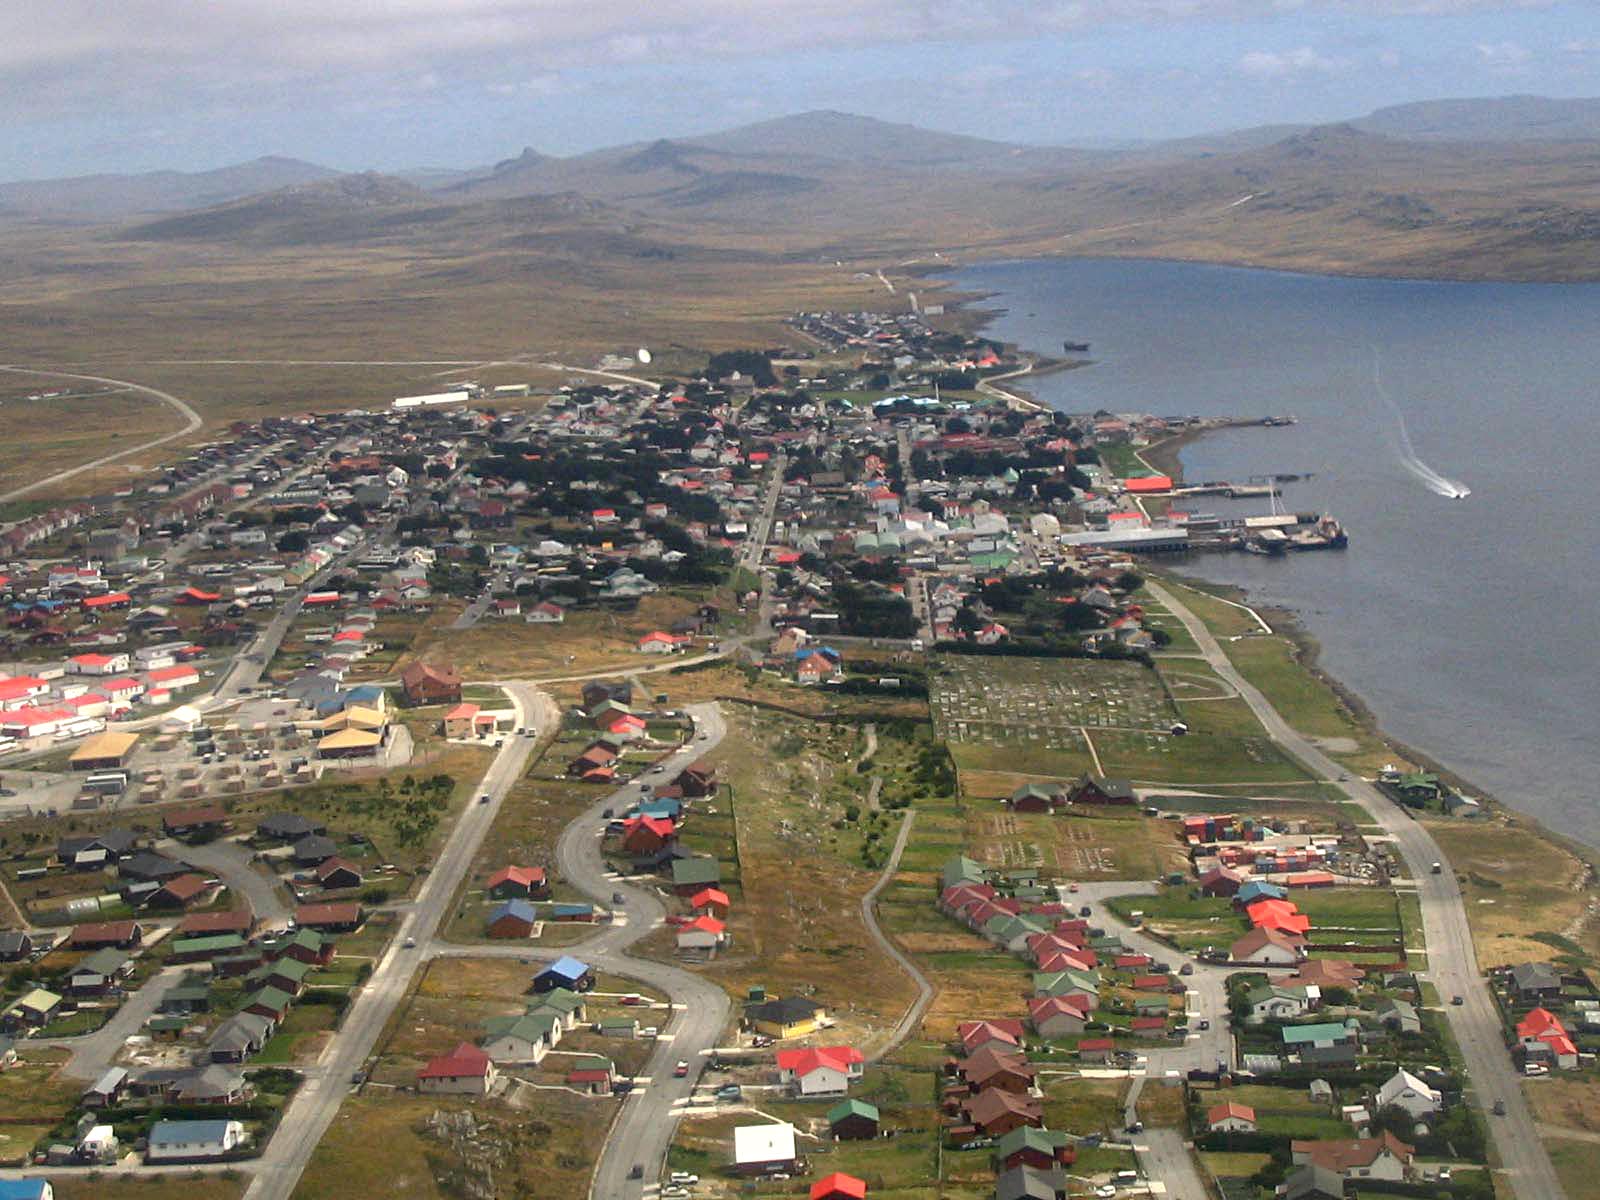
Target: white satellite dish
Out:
[644,355]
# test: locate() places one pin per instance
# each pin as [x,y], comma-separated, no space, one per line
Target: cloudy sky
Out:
[126,85]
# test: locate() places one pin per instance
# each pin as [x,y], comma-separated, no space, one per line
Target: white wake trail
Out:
[1439,485]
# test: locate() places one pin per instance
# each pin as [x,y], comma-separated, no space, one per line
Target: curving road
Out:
[907,1024]
[1452,962]
[192,422]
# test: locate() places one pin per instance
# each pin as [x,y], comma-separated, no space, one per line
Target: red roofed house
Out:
[1268,947]
[817,667]
[109,600]
[594,1075]
[525,882]
[465,1071]
[180,892]
[1280,915]
[1231,1117]
[174,678]
[1005,1034]
[1147,484]
[822,1071]
[839,1186]
[343,917]
[710,902]
[1096,1049]
[997,1112]
[660,642]
[1382,1157]
[1056,1016]
[124,688]
[1544,1038]
[702,934]
[431,683]
[193,595]
[97,664]
[645,836]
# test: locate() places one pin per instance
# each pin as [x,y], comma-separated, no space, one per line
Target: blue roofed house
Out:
[515,918]
[566,972]
[1255,890]
[193,1141]
[26,1189]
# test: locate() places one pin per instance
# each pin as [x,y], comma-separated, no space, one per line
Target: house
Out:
[302,945]
[1267,947]
[643,837]
[148,867]
[1406,1091]
[465,1071]
[180,892]
[998,1112]
[566,972]
[26,1189]
[1542,1036]
[1037,1148]
[1381,1157]
[993,1068]
[545,613]
[1399,1016]
[513,919]
[269,1002]
[569,1008]
[202,820]
[94,851]
[107,1090]
[1097,790]
[764,1149]
[1231,1117]
[1535,983]
[1031,1183]
[288,827]
[240,1036]
[786,1017]
[839,1186]
[461,721]
[1095,1049]
[431,683]
[691,875]
[817,666]
[524,1039]
[1312,1182]
[1037,798]
[15,945]
[35,1008]
[1055,1016]
[98,972]
[517,883]
[1321,1035]
[702,935]
[710,902]
[823,1071]
[342,917]
[661,642]
[1269,1002]
[853,1120]
[592,1074]
[94,934]
[1003,1034]
[335,873]
[193,1141]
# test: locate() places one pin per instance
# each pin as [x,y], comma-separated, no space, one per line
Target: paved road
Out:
[1452,962]
[756,541]
[192,422]
[314,1106]
[907,1025]
[649,1117]
[230,862]
[94,1052]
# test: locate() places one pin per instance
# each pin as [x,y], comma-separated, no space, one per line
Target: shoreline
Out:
[1166,457]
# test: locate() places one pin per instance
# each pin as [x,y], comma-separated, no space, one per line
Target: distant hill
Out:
[1501,119]
[346,207]
[114,197]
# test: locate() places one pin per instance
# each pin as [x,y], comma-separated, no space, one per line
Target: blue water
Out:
[1468,625]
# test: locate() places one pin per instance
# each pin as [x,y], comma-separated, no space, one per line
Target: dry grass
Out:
[223,1185]
[40,437]
[1563,1103]
[1516,883]
[1073,847]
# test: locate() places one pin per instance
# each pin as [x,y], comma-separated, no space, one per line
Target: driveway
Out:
[1452,962]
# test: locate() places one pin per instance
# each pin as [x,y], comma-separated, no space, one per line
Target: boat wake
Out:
[1439,485]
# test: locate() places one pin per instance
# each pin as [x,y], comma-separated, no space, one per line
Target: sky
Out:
[133,85]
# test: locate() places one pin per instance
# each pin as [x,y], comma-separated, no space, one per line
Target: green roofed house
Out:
[200,949]
[962,870]
[187,997]
[1066,983]
[853,1120]
[1010,932]
[689,875]
[286,974]
[38,1007]
[524,1039]
[1325,1033]
[271,1003]
[624,1027]
[1026,1146]
[569,1006]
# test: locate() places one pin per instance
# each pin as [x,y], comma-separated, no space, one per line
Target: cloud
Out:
[1583,46]
[1283,64]
[1504,56]
[148,49]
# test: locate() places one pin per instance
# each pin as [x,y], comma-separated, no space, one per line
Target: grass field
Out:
[1517,885]
[1122,845]
[100,1185]
[40,437]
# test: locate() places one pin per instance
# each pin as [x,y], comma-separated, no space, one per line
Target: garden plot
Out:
[1008,701]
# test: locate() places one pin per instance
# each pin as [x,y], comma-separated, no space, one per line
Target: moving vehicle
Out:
[411,943]
[1458,1000]
[1136,1127]
[1204,1025]
[1438,868]
[618,898]
[1499,1108]
[1186,969]
[681,1070]
[637,1172]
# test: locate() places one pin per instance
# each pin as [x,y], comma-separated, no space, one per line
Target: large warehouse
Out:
[104,752]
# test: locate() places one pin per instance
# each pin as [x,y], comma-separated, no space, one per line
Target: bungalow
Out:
[1037,798]
[823,1071]
[1399,1016]
[545,613]
[703,935]
[1536,982]
[1312,1182]
[336,873]
[1267,947]
[343,917]
[193,1141]
[1542,1036]
[288,827]
[1271,1002]
[661,642]
[1382,1157]
[646,836]
[764,1149]
[1004,1034]
[592,1074]
[518,882]
[302,945]
[1031,1183]
[818,666]
[240,1036]
[710,902]
[524,1039]
[1096,1049]
[271,1003]
[691,875]
[1055,1017]
[1405,1090]
[998,1112]
[91,936]
[1322,1035]
[1037,1148]
[180,892]
[201,820]
[431,683]
[1097,790]
[35,1008]
[853,1120]
[461,721]
[465,1071]
[1231,1117]
[98,972]
[566,972]
[786,1017]
[993,1068]
[513,919]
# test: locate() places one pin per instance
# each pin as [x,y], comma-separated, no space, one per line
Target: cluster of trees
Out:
[872,612]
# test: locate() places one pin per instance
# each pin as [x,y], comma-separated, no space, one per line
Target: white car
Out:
[683,1179]
[1104,1190]
[674,1193]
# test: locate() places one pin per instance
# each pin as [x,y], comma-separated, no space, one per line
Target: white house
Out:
[465,1071]
[1410,1093]
[820,1071]
[758,1149]
[193,1141]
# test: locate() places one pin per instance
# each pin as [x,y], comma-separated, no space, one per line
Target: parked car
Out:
[621,1087]
[1186,969]
[633,998]
[683,1179]
[729,1091]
